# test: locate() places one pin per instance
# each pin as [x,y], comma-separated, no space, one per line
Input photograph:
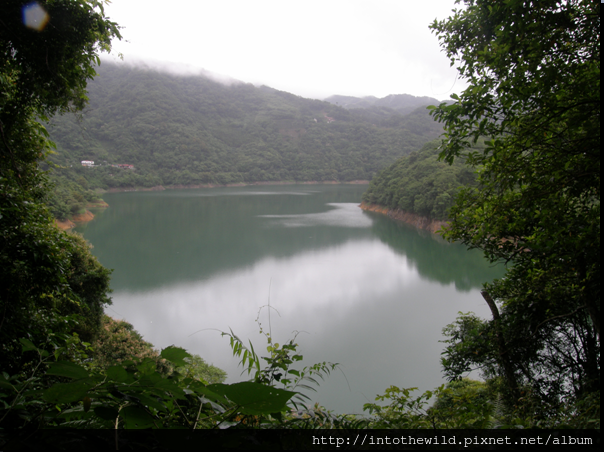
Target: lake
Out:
[359,288]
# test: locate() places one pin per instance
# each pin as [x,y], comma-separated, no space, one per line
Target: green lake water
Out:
[361,289]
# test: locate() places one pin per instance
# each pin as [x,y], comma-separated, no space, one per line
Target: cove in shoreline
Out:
[418,221]
[88,216]
[85,217]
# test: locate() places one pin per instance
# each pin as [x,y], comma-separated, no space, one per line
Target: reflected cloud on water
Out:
[345,215]
[357,303]
[363,290]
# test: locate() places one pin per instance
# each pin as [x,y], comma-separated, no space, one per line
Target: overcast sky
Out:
[309,48]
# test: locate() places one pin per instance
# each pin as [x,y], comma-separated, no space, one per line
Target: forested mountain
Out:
[400,103]
[536,205]
[395,110]
[187,130]
[419,183]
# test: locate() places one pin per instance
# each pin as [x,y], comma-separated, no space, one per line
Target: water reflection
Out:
[358,304]
[435,259]
[342,215]
[365,291]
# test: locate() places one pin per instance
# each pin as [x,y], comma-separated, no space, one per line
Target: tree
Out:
[419,183]
[200,370]
[46,274]
[534,90]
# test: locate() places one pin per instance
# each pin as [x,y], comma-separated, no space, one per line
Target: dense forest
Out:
[192,130]
[536,202]
[420,183]
[402,104]
[534,98]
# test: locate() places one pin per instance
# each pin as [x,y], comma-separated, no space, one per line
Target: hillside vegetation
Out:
[178,130]
[371,106]
[535,92]
[420,183]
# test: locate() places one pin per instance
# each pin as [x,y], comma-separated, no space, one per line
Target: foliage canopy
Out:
[534,90]
[419,183]
[179,130]
[45,273]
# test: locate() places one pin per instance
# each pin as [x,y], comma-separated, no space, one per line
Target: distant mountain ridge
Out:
[401,103]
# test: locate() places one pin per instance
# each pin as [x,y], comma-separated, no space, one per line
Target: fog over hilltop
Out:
[401,103]
[311,48]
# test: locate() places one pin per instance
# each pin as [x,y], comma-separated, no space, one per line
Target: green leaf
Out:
[153,402]
[27,345]
[156,382]
[211,395]
[67,369]
[175,355]
[106,413]
[4,383]
[147,366]
[118,373]
[66,392]
[254,398]
[136,417]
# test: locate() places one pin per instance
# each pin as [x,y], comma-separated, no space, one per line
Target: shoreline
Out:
[238,184]
[420,222]
[85,217]
[72,222]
